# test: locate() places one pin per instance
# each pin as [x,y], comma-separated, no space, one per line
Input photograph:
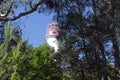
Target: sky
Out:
[34,27]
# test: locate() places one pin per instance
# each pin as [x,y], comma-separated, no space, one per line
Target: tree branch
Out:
[34,8]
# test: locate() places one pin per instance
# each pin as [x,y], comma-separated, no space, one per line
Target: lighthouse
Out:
[52,33]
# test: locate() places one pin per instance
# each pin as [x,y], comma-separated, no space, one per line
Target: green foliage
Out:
[86,26]
[43,64]
[12,58]
[21,62]
[84,32]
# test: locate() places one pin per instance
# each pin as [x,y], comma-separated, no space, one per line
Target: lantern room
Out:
[52,30]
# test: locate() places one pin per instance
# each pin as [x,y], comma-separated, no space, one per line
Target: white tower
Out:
[52,33]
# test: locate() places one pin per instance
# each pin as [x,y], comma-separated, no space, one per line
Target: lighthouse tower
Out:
[52,33]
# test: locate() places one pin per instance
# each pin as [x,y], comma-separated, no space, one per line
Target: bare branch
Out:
[34,8]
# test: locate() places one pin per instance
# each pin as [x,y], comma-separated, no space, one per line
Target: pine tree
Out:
[84,33]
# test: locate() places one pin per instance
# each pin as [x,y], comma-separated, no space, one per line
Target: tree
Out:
[13,56]
[44,67]
[21,62]
[84,33]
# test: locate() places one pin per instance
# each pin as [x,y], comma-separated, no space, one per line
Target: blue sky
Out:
[35,27]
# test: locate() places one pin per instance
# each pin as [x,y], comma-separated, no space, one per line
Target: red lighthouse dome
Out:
[52,30]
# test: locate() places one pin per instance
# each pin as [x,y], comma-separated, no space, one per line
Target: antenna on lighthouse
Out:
[52,33]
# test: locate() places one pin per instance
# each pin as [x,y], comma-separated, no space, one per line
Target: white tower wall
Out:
[53,42]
